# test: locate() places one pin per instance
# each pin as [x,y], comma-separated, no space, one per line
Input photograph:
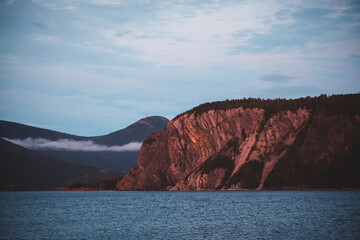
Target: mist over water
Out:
[181,215]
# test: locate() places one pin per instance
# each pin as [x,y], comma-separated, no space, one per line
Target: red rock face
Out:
[231,149]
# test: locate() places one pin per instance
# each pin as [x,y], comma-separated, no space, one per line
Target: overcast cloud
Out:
[276,77]
[93,67]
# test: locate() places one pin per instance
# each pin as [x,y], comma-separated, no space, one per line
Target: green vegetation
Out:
[288,170]
[344,173]
[23,170]
[108,184]
[222,160]
[333,104]
[149,140]
[249,175]
[305,166]
[243,134]
[232,145]
[219,161]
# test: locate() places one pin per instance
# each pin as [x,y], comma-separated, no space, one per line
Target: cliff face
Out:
[245,148]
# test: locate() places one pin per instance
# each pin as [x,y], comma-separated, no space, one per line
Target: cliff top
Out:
[343,103]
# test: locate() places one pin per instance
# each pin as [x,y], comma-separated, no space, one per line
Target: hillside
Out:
[306,143]
[23,169]
[136,132]
[121,161]
[14,130]
[103,185]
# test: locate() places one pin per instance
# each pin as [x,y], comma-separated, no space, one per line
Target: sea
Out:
[180,215]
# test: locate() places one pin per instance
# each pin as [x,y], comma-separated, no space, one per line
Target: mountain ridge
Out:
[111,160]
[15,130]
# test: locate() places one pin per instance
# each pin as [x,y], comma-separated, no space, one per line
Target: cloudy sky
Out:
[92,67]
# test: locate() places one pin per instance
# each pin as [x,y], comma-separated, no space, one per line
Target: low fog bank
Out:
[72,145]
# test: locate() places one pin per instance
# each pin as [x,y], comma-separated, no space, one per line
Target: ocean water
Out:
[180,215]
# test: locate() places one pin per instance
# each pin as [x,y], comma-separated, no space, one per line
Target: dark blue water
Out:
[180,215]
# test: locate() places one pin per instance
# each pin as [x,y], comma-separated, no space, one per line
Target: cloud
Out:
[40,25]
[108,3]
[283,14]
[55,5]
[185,35]
[10,2]
[72,145]
[114,62]
[120,34]
[292,92]
[47,39]
[15,106]
[275,77]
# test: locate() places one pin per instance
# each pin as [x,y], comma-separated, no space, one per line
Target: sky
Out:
[92,67]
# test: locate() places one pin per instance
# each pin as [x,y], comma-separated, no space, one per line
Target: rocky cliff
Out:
[254,144]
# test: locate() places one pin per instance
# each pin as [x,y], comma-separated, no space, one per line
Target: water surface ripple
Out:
[180,215]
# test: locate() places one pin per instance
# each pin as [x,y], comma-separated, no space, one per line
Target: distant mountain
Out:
[24,169]
[14,130]
[136,132]
[117,160]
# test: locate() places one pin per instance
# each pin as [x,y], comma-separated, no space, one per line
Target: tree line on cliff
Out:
[333,104]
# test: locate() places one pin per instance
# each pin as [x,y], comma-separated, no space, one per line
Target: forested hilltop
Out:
[333,104]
